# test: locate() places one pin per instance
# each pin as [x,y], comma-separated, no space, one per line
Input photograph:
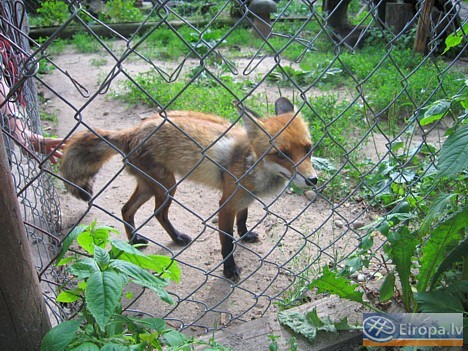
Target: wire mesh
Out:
[299,234]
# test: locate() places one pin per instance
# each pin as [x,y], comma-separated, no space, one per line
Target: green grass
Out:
[85,43]
[204,94]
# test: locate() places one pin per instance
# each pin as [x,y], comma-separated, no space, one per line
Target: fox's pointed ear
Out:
[250,118]
[283,105]
[241,108]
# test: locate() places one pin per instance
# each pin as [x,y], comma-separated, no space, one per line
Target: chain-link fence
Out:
[21,130]
[347,73]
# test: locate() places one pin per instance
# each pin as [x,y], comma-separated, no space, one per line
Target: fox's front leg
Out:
[246,235]
[138,198]
[226,224]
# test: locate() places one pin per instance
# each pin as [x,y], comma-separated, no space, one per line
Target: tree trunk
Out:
[398,15]
[23,315]
[424,25]
[338,20]
[338,13]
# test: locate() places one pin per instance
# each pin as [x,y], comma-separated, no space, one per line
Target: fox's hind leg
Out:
[163,193]
[241,222]
[141,195]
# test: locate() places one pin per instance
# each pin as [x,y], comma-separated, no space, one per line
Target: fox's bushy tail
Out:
[85,153]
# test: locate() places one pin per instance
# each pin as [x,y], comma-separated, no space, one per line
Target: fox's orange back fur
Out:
[199,145]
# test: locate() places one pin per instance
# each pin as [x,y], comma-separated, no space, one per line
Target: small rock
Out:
[106,113]
[311,195]
[354,275]
[338,223]
[361,278]
[358,224]
[215,220]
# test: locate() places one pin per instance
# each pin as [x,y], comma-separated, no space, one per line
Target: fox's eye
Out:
[282,155]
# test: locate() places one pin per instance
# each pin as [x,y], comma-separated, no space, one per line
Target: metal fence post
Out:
[23,315]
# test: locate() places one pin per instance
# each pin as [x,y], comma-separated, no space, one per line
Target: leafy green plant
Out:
[427,254]
[85,43]
[309,324]
[116,11]
[273,346]
[379,36]
[288,76]
[52,13]
[102,271]
[456,38]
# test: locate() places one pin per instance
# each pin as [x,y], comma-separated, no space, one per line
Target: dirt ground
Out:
[295,233]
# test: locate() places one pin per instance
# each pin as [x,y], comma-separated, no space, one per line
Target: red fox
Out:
[243,162]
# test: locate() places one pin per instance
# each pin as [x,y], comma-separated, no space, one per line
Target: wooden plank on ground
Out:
[254,335]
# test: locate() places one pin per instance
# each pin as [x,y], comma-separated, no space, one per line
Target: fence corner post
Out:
[23,314]
[422,31]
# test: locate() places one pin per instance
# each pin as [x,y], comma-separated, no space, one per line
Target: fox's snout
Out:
[305,181]
[311,181]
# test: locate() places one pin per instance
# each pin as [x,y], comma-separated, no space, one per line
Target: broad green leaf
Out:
[436,112]
[397,145]
[298,322]
[451,41]
[388,288]
[164,265]
[402,247]
[434,250]
[309,323]
[439,301]
[157,324]
[65,261]
[85,240]
[69,240]
[340,286]
[83,268]
[440,204]
[115,347]
[59,337]
[175,338]
[403,176]
[454,39]
[323,164]
[354,264]
[326,324]
[459,253]
[453,157]
[103,294]
[133,324]
[142,277]
[86,346]
[69,296]
[384,228]
[344,325]
[101,257]
[313,318]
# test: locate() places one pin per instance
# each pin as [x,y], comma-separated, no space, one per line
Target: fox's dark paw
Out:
[138,239]
[182,239]
[250,237]
[232,273]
